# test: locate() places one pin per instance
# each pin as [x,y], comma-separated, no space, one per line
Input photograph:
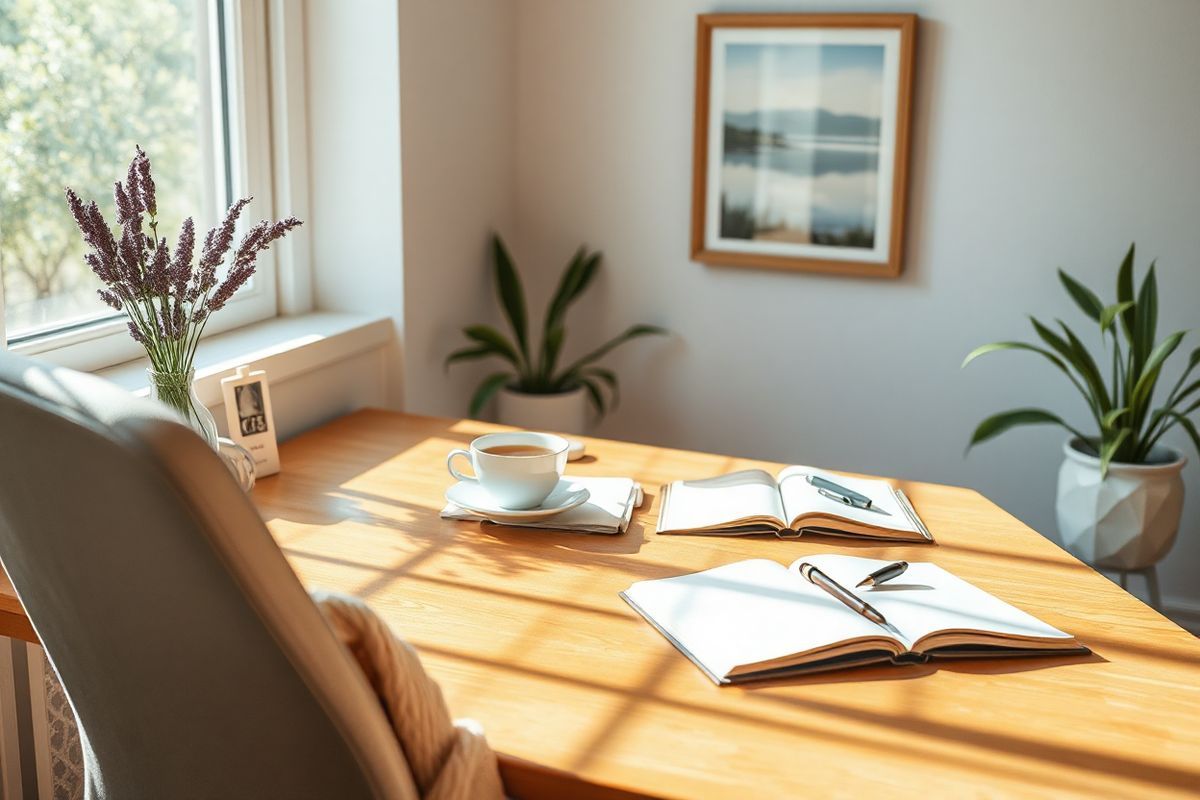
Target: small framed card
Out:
[251,423]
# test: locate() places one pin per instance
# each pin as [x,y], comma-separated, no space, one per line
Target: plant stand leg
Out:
[1151,574]
[1123,577]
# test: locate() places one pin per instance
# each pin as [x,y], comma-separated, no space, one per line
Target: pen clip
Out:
[841,498]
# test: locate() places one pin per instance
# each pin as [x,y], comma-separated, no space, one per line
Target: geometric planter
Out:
[565,412]
[1129,520]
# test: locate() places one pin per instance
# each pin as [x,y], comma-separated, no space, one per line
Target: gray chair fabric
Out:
[196,663]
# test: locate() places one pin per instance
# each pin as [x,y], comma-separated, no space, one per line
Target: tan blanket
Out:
[448,760]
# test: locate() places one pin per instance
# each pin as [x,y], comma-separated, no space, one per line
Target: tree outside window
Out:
[82,82]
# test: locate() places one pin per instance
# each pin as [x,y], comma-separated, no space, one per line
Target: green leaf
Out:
[1193,360]
[512,296]
[1084,297]
[485,334]
[1125,294]
[610,378]
[491,384]
[994,347]
[631,333]
[575,280]
[1110,313]
[1192,387]
[1109,448]
[1088,368]
[1073,351]
[1164,350]
[1176,396]
[1053,359]
[1175,417]
[998,346]
[565,286]
[551,346]
[1147,316]
[1056,342]
[1064,348]
[1112,416]
[1188,426]
[997,424]
[1144,387]
[468,354]
[594,395]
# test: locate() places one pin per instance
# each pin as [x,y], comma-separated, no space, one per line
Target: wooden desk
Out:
[525,633]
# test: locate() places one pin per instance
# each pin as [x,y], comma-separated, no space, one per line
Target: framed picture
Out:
[250,418]
[801,141]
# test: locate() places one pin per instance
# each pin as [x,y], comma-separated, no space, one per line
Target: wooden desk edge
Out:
[527,780]
[15,625]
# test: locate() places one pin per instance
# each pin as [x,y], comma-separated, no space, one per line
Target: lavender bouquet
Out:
[167,298]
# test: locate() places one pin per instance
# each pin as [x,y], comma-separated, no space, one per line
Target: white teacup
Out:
[518,469]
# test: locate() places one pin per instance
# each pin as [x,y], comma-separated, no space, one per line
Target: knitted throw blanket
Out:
[448,760]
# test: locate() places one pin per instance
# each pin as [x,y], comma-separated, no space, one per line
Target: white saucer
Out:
[473,497]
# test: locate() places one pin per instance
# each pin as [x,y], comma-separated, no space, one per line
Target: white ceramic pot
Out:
[1127,521]
[565,412]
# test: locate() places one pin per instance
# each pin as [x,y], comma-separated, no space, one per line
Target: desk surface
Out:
[526,634]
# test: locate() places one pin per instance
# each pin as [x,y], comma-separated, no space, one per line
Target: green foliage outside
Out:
[82,82]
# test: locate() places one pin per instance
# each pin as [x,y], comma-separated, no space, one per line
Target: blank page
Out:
[717,501]
[800,496]
[927,599]
[747,613]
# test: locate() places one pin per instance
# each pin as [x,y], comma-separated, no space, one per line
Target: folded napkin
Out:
[608,510]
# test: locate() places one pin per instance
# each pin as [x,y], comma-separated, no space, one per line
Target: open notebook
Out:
[757,619]
[754,501]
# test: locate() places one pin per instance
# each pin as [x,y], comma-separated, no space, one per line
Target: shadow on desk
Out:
[959,729]
[627,543]
[913,671]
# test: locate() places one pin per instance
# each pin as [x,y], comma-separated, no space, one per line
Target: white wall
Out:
[427,84]
[457,71]
[314,398]
[1046,134]
[353,80]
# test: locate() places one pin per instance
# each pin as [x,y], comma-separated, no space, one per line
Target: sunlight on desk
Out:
[525,633]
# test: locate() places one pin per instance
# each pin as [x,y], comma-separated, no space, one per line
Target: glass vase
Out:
[178,390]
[239,461]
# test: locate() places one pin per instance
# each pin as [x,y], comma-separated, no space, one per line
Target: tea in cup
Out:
[518,469]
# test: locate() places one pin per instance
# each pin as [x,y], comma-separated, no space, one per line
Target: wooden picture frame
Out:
[800,186]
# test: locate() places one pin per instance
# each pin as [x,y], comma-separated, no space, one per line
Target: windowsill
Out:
[284,346]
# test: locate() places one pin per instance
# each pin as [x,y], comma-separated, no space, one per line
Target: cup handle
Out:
[450,465]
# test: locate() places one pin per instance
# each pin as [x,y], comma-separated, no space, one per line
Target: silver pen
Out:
[851,600]
[835,491]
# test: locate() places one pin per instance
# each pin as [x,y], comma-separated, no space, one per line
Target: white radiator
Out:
[40,757]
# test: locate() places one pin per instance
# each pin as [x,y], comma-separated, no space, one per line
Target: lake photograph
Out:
[800,143]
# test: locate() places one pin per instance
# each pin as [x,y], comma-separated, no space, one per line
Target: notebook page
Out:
[747,612]
[927,599]
[717,501]
[799,496]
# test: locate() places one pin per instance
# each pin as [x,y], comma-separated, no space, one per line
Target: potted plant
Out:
[533,392]
[1120,489]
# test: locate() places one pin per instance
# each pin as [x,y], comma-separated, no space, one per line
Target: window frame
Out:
[245,119]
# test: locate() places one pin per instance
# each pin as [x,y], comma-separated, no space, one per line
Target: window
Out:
[82,82]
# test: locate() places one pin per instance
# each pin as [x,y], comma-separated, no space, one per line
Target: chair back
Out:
[195,662]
